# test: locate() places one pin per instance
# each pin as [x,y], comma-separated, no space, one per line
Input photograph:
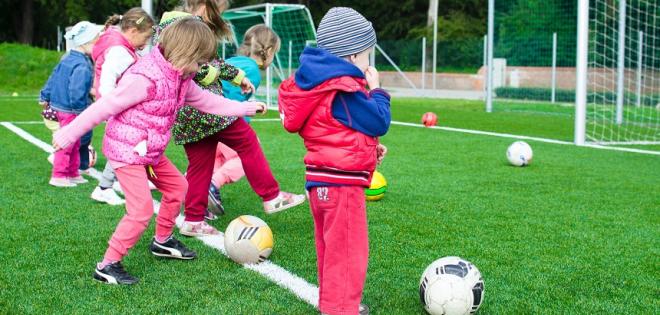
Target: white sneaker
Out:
[108,196]
[197,229]
[61,182]
[282,202]
[117,187]
[78,180]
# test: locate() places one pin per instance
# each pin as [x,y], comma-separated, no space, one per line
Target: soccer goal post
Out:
[618,73]
[293,24]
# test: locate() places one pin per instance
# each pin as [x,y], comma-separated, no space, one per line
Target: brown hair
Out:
[186,41]
[213,15]
[133,18]
[259,40]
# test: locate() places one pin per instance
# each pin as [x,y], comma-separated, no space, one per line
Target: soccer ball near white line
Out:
[519,153]
[248,240]
[451,286]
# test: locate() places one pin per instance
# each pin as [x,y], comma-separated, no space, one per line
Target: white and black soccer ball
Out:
[451,286]
[519,153]
[248,240]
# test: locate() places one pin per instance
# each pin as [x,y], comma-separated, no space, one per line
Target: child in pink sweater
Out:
[140,113]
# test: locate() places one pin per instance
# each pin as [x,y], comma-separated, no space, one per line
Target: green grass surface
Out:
[577,232]
[25,69]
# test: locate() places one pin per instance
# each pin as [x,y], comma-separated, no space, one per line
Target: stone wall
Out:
[540,77]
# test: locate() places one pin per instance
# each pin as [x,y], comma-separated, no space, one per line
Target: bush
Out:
[25,69]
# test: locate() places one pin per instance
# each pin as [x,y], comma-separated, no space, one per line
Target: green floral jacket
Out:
[192,125]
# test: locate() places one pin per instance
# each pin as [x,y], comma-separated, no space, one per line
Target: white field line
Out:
[26,122]
[298,286]
[485,133]
[510,136]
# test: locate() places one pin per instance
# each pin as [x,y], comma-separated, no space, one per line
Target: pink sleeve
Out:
[131,90]
[217,105]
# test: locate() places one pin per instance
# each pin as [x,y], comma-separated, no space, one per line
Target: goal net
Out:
[292,23]
[623,76]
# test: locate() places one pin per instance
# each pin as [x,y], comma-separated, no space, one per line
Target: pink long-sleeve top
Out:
[132,90]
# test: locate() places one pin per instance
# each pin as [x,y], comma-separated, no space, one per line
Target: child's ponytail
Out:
[213,15]
[112,20]
[261,41]
[133,18]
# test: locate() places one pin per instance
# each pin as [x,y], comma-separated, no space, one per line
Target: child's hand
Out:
[56,146]
[247,86]
[261,108]
[44,104]
[381,150]
[373,79]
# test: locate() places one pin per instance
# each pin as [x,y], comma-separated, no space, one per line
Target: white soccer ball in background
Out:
[248,240]
[519,153]
[451,286]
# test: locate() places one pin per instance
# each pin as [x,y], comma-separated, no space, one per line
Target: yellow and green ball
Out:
[378,187]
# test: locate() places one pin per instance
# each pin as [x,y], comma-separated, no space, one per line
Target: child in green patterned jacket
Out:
[200,133]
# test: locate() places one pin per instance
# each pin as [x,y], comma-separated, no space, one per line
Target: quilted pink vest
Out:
[111,37]
[150,120]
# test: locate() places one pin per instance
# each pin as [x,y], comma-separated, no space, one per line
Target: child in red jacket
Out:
[327,103]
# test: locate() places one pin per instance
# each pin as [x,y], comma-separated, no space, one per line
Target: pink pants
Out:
[66,161]
[239,136]
[342,246]
[228,167]
[139,204]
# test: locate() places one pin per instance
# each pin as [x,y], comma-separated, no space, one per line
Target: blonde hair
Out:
[133,18]
[259,40]
[186,41]
[212,16]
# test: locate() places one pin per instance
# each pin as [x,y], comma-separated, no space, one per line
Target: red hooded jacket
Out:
[335,153]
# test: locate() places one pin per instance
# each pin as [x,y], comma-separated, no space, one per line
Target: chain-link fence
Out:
[534,55]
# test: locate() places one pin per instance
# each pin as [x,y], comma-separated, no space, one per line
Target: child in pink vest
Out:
[140,112]
[113,53]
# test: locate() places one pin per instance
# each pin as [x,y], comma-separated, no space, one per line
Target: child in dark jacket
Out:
[327,103]
[67,93]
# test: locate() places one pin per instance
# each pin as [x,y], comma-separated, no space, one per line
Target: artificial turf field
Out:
[577,232]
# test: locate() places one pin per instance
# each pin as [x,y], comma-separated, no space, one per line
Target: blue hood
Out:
[318,65]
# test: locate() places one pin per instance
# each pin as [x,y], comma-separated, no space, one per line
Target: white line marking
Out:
[27,122]
[297,285]
[512,136]
[265,119]
[30,138]
[507,135]
[486,133]
[602,147]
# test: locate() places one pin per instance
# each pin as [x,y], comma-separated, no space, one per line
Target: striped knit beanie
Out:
[344,32]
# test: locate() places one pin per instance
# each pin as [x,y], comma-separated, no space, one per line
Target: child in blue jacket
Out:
[67,93]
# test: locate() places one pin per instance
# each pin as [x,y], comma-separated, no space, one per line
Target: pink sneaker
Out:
[197,229]
[61,182]
[78,180]
[283,201]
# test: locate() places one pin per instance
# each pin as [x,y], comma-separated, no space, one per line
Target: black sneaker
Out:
[114,274]
[215,201]
[171,249]
[210,216]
